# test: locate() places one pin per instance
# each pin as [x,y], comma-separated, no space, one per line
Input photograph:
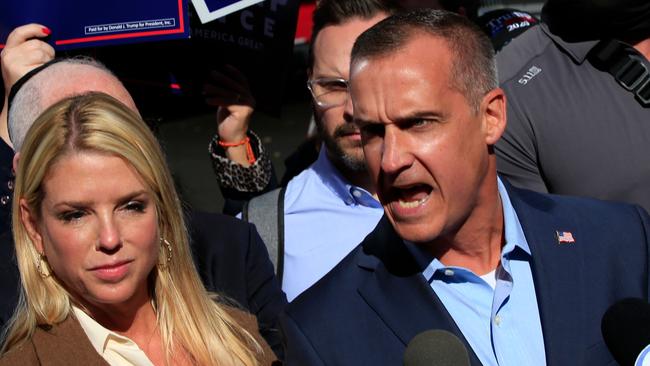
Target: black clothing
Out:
[582,20]
[6,186]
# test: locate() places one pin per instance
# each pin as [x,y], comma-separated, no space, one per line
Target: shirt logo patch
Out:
[529,75]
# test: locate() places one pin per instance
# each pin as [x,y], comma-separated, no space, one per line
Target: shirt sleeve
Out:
[516,151]
[231,175]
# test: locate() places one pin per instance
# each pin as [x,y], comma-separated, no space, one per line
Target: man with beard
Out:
[329,207]
[579,101]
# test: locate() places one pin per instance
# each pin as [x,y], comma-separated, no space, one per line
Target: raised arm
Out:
[24,51]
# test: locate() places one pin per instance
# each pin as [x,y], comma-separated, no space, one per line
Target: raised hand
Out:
[23,52]
[229,90]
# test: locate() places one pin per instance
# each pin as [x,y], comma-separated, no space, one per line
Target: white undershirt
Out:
[490,278]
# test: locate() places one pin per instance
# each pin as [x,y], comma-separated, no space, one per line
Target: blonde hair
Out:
[186,313]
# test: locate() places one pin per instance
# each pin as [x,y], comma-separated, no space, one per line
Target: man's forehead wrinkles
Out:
[328,67]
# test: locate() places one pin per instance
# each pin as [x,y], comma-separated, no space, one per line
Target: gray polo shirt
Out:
[572,129]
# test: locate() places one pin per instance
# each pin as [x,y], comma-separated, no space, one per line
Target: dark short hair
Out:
[473,68]
[337,12]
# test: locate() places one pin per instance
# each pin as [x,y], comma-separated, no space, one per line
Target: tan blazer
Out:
[66,344]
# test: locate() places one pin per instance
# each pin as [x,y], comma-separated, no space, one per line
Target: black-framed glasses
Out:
[328,92]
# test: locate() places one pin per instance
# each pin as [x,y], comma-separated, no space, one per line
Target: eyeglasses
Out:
[328,92]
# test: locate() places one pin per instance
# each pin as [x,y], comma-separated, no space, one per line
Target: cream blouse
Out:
[117,350]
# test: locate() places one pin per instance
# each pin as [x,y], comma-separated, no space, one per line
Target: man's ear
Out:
[15,161]
[493,112]
[30,222]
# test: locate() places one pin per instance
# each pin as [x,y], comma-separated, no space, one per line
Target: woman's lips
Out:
[112,272]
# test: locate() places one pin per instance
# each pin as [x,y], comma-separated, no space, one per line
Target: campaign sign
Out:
[209,10]
[258,41]
[82,23]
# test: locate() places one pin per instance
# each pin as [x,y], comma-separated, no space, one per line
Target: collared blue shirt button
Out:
[449,272]
[497,320]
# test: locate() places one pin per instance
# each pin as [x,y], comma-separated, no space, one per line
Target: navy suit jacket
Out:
[368,308]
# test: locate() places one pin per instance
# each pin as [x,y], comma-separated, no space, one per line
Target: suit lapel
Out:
[557,273]
[398,293]
[65,343]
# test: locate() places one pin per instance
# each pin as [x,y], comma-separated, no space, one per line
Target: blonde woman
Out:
[106,271]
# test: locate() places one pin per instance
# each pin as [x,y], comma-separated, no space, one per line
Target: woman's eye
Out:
[135,206]
[70,216]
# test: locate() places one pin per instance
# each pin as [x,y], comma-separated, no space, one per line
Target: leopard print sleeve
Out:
[234,176]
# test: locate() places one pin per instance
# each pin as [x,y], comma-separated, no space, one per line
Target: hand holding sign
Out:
[23,52]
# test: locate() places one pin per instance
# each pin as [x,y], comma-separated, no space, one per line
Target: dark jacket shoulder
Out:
[56,345]
[374,301]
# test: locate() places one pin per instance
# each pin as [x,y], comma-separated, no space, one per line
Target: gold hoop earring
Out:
[165,244]
[43,267]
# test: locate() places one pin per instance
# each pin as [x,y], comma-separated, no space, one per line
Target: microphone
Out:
[626,330]
[436,347]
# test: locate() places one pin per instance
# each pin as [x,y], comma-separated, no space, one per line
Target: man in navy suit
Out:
[521,278]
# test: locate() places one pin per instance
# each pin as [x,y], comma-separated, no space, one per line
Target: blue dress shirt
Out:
[325,217]
[501,324]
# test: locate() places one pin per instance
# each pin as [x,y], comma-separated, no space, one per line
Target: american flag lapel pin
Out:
[564,237]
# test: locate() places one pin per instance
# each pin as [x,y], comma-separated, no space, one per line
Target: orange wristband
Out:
[249,148]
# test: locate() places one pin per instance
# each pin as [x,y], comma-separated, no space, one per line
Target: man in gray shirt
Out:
[573,125]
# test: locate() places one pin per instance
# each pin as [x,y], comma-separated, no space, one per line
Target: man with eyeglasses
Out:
[329,207]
